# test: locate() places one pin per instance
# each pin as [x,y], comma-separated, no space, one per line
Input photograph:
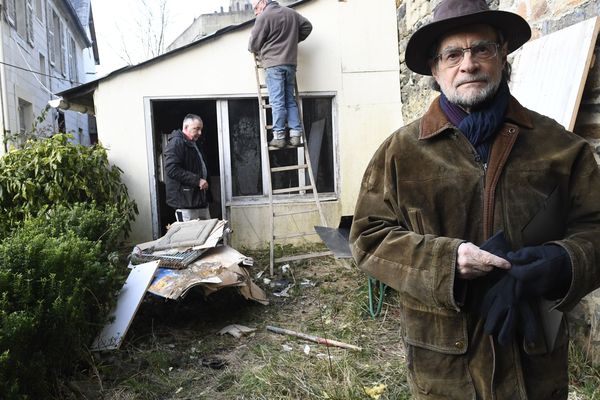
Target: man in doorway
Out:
[274,39]
[478,213]
[186,179]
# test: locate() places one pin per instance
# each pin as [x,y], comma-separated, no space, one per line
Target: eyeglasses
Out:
[479,52]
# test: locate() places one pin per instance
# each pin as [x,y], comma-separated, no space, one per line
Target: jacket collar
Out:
[434,121]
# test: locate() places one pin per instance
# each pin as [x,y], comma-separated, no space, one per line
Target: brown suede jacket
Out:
[424,193]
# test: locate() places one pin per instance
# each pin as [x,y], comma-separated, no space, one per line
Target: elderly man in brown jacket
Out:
[481,214]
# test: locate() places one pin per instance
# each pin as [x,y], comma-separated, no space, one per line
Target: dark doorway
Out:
[167,116]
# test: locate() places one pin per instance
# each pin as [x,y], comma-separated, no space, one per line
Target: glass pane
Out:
[317,121]
[244,131]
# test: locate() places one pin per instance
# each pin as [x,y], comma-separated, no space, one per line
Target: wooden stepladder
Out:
[303,187]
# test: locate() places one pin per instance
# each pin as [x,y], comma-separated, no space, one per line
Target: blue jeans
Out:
[280,85]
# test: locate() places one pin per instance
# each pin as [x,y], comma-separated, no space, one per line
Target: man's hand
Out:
[203,184]
[472,262]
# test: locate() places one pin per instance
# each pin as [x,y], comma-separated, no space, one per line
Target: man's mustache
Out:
[472,78]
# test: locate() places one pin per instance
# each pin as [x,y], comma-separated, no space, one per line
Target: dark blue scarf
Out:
[480,125]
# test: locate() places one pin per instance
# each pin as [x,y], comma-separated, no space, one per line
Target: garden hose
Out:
[372,283]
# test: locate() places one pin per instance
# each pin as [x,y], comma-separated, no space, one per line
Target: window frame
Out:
[223,129]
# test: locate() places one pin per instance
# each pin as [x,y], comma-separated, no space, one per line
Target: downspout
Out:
[3,105]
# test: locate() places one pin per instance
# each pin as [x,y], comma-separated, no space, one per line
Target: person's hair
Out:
[506,71]
[190,118]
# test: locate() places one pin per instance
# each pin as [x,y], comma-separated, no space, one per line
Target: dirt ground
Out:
[173,349]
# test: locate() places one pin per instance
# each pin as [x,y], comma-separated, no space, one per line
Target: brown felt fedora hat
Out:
[452,14]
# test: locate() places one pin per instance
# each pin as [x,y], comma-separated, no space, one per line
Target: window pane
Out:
[284,179]
[317,114]
[244,131]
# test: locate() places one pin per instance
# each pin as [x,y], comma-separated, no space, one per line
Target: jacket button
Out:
[511,131]
[459,344]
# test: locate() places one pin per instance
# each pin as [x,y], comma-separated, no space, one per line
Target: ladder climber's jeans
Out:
[280,81]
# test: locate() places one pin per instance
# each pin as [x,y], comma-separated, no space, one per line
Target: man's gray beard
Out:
[485,94]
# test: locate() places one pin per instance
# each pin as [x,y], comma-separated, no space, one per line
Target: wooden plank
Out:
[549,73]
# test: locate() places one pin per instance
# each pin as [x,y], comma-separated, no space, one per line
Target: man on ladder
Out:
[274,39]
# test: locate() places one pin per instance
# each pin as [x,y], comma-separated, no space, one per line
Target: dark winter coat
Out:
[183,173]
[424,193]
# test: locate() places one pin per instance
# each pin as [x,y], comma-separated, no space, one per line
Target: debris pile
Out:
[190,254]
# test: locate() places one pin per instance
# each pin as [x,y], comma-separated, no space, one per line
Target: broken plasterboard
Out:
[549,73]
[183,243]
[129,299]
[216,269]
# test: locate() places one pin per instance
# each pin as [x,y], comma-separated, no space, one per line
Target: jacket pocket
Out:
[435,329]
[191,197]
[436,346]
[438,376]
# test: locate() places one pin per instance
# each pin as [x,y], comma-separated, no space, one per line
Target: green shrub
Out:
[49,172]
[56,288]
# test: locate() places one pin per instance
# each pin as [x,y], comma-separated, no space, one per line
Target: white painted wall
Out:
[352,51]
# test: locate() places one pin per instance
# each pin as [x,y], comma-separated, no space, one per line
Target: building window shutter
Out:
[63,51]
[29,21]
[72,61]
[50,27]
[11,12]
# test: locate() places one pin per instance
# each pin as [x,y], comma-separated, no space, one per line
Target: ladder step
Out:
[303,256]
[286,147]
[266,106]
[289,168]
[292,189]
[294,235]
[287,213]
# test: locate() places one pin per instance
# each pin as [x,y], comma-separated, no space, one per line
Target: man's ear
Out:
[433,68]
[504,53]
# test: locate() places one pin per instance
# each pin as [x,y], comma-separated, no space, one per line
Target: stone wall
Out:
[544,16]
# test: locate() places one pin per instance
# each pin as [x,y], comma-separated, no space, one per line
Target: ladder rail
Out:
[302,166]
[307,160]
[265,156]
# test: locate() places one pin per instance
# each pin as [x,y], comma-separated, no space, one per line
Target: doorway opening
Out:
[167,116]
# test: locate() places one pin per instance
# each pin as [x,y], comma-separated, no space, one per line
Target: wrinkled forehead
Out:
[467,35]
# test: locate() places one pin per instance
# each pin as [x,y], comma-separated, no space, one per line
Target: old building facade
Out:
[47,46]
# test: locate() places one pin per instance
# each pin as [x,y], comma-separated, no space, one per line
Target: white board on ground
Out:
[549,73]
[130,297]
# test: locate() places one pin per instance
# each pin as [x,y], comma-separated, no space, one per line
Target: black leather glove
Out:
[504,305]
[545,270]
[499,308]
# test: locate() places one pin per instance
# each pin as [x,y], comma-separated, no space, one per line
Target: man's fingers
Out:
[472,262]
[492,260]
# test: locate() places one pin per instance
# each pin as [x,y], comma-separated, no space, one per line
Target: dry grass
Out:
[173,351]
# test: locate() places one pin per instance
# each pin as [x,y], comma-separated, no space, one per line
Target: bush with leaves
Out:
[49,172]
[57,285]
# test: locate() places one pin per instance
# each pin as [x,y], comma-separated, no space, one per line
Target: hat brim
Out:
[515,29]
